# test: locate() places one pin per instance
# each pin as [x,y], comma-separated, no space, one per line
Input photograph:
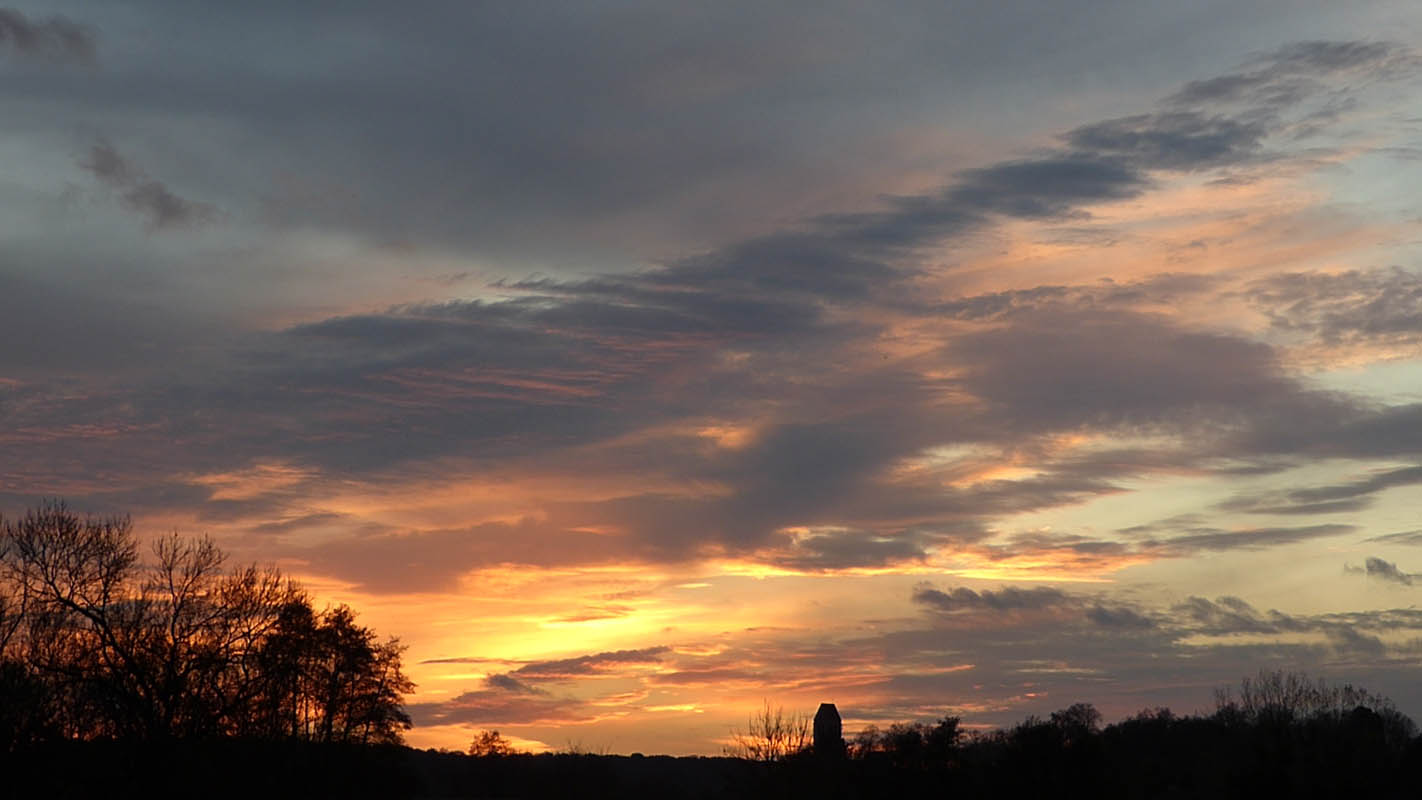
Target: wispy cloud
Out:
[160,206]
[1375,567]
[53,38]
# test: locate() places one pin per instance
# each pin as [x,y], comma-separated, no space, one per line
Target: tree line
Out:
[1278,734]
[99,644]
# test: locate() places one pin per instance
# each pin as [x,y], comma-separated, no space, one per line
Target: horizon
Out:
[640,365]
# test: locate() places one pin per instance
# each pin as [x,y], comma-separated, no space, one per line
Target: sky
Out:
[639,364]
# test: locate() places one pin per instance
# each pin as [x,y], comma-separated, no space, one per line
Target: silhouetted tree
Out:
[909,744]
[1077,721]
[866,741]
[1281,698]
[325,678]
[490,744]
[771,735]
[94,644]
[941,741]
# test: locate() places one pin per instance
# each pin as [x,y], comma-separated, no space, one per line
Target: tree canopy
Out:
[96,643]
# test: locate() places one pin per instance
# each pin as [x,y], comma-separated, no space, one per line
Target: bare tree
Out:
[182,647]
[1283,697]
[771,735]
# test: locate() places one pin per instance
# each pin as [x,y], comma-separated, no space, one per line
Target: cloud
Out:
[1061,369]
[1405,537]
[1052,186]
[1074,552]
[504,701]
[1009,598]
[1250,539]
[1228,615]
[1358,307]
[54,38]
[590,665]
[1123,296]
[397,561]
[1118,617]
[508,683]
[589,613]
[1405,476]
[46,320]
[1341,432]
[1281,78]
[1354,642]
[1326,56]
[845,549]
[162,208]
[1375,567]
[836,357]
[1273,503]
[1179,140]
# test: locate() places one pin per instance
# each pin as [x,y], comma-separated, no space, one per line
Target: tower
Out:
[829,731]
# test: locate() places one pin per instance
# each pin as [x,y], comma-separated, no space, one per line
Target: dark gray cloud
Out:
[1381,306]
[159,205]
[1358,431]
[548,138]
[510,684]
[1063,369]
[1352,635]
[1355,642]
[594,664]
[1250,539]
[1052,186]
[433,561]
[52,38]
[1332,56]
[1118,617]
[847,549]
[1280,503]
[1163,289]
[46,321]
[556,376]
[1229,615]
[504,700]
[1283,77]
[1375,567]
[1405,537]
[1164,540]
[1405,476]
[514,699]
[1180,140]
[1009,598]
[1223,616]
[499,383]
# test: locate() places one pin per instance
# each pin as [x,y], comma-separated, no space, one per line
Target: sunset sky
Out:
[639,363]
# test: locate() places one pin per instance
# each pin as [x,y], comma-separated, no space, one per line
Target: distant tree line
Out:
[1279,734]
[99,645]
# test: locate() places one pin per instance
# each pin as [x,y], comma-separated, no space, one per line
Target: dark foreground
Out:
[1147,757]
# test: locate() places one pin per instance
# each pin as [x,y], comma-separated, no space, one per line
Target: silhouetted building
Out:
[829,731]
